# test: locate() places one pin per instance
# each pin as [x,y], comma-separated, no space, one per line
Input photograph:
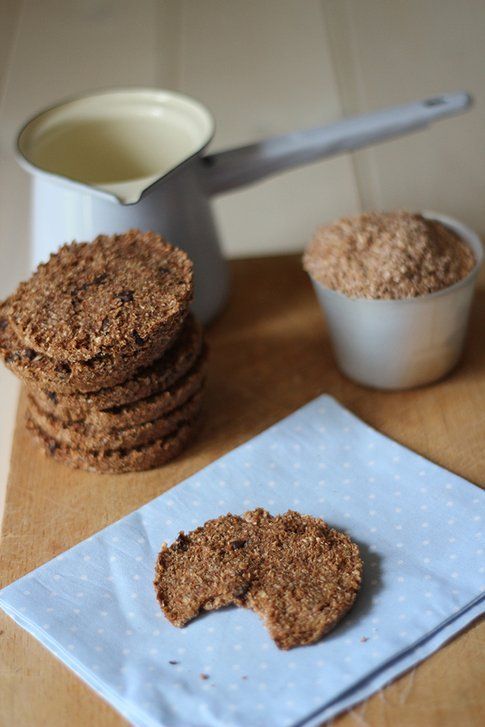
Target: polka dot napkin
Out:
[419,529]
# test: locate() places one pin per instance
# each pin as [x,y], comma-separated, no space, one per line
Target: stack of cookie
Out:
[113,361]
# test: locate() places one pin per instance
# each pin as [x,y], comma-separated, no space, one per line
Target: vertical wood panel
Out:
[392,52]
[10,13]
[264,68]
[14,255]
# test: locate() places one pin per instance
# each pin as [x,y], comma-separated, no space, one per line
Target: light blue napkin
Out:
[419,529]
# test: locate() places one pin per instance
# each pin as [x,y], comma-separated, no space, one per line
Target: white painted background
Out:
[263,67]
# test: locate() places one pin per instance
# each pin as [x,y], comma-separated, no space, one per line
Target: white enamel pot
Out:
[112,160]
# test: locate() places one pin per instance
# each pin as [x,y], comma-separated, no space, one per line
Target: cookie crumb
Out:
[204,677]
[364,639]
[52,446]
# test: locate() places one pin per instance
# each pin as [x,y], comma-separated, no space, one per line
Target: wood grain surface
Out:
[269,355]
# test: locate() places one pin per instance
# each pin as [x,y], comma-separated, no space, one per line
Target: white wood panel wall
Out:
[392,51]
[264,68]
[12,262]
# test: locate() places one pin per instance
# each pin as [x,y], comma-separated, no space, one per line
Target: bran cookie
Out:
[160,375]
[61,377]
[136,412]
[105,298]
[117,461]
[82,436]
[298,574]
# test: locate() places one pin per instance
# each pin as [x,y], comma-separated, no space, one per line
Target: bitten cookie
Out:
[298,574]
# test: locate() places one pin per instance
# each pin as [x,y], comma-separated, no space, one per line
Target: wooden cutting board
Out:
[269,354]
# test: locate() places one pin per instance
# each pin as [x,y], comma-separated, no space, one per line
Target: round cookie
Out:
[108,461]
[109,297]
[161,374]
[136,412]
[297,573]
[39,371]
[82,437]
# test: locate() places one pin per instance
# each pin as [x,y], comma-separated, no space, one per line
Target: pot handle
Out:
[234,168]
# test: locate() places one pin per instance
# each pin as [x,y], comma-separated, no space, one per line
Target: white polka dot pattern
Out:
[419,529]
